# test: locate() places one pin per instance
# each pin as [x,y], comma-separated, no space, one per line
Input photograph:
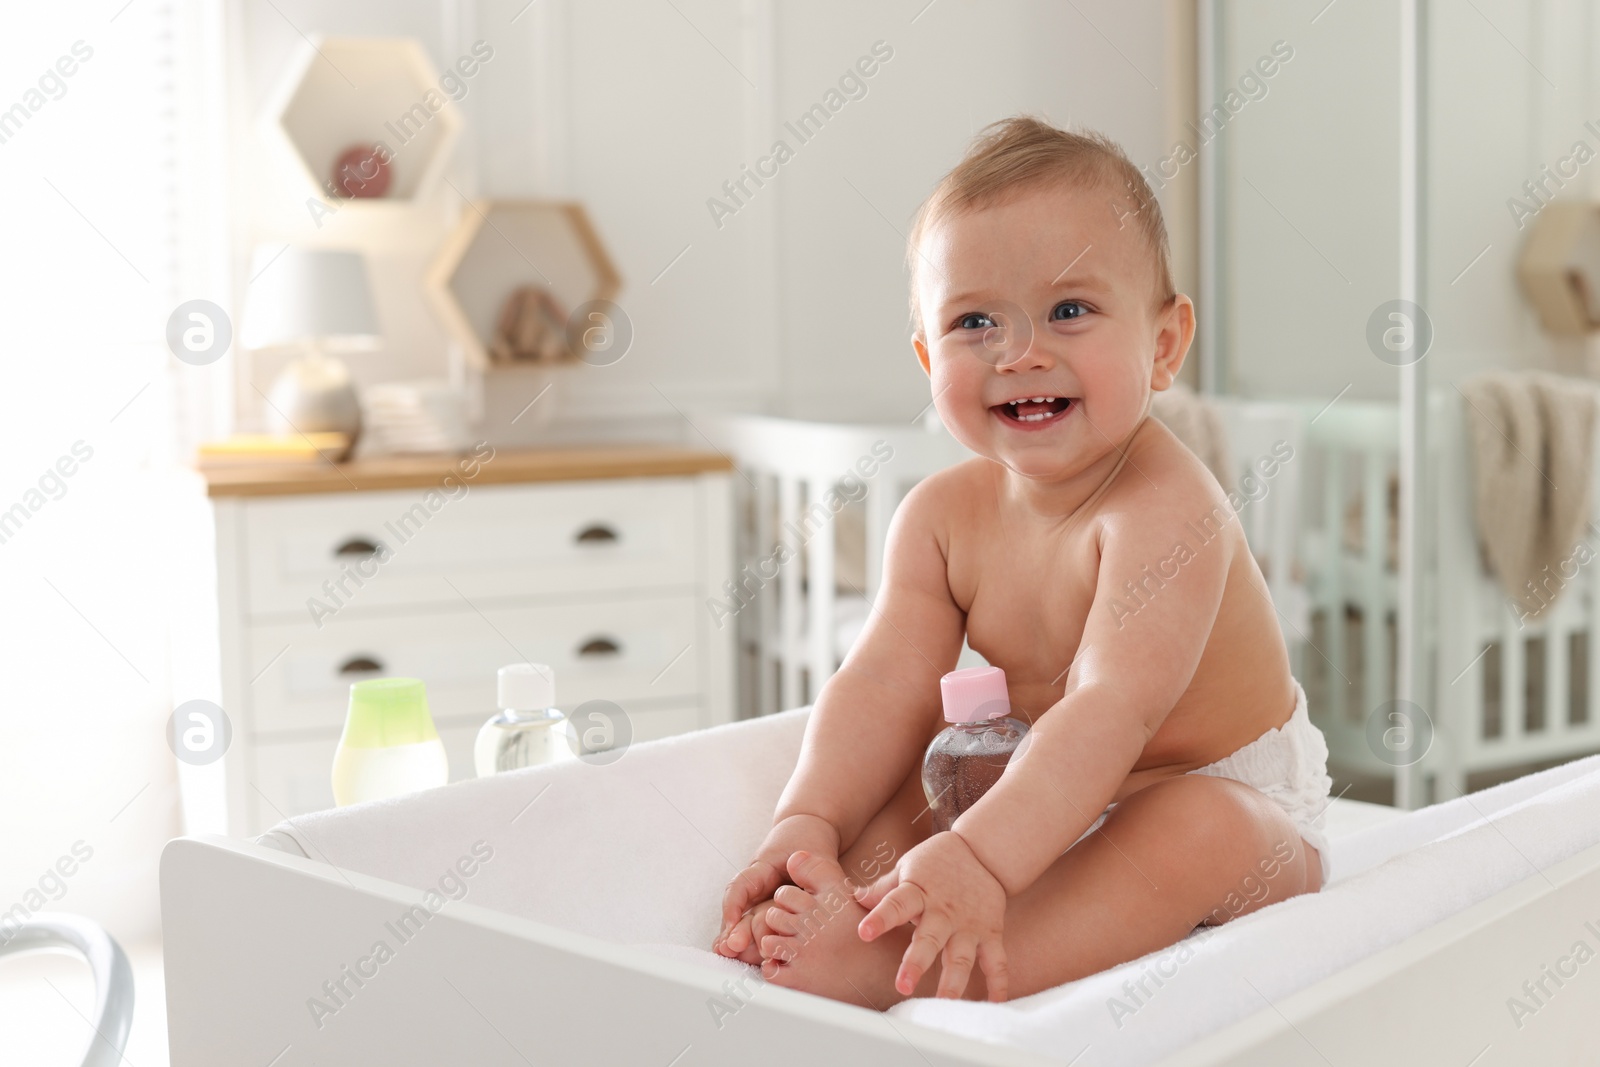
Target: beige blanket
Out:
[1531,436]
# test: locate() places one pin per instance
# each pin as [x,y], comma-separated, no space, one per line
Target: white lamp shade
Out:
[309,295]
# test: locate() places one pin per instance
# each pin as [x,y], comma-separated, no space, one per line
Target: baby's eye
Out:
[975,320]
[1068,309]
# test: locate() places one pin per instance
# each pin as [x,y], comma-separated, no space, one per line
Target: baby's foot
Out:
[814,945]
[743,942]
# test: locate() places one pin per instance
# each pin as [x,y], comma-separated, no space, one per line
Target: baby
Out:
[1171,778]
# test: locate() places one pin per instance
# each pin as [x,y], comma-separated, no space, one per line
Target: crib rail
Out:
[794,474]
[1504,690]
[1354,455]
[1515,690]
[1267,442]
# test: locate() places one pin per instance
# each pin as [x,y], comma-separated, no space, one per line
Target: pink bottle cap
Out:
[975,694]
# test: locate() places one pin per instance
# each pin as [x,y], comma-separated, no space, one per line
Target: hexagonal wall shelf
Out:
[341,92]
[502,245]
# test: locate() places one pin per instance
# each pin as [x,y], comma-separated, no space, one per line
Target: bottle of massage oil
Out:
[969,755]
[529,729]
[389,745]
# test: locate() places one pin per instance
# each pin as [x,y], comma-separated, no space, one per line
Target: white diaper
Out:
[1289,764]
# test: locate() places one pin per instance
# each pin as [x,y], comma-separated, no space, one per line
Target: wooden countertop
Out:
[506,466]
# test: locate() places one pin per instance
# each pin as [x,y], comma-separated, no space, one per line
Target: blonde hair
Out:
[1021,152]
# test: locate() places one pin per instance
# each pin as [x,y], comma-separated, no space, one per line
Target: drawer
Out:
[418,547]
[296,776]
[631,651]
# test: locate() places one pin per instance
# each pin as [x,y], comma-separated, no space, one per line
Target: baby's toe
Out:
[780,921]
[792,898]
[782,949]
[817,874]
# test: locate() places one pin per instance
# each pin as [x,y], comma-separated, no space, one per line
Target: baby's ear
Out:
[1174,333]
[920,344]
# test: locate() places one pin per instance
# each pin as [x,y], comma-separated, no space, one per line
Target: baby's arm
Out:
[1130,670]
[873,718]
[1127,675]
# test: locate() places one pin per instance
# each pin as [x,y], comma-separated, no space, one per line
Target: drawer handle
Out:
[357,546]
[360,665]
[597,534]
[599,646]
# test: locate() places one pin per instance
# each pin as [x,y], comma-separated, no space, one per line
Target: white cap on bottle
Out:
[527,687]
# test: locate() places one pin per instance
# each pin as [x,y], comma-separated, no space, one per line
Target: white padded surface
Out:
[638,852]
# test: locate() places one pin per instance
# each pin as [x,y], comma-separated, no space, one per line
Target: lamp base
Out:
[314,394]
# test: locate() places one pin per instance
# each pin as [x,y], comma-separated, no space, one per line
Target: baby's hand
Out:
[766,872]
[958,908]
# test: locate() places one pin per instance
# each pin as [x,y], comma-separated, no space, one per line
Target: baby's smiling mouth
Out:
[1035,409]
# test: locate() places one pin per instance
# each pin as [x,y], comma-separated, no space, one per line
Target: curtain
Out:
[110,176]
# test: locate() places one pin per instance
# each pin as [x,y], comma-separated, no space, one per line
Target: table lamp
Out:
[320,301]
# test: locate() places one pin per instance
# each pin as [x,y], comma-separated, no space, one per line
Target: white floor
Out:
[45,1004]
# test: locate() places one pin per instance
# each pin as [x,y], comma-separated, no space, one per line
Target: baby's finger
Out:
[870,896]
[992,959]
[737,939]
[918,960]
[903,904]
[956,965]
[748,886]
[758,930]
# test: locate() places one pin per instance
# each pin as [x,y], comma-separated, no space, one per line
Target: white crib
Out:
[797,627]
[1504,693]
[1320,527]
[1348,665]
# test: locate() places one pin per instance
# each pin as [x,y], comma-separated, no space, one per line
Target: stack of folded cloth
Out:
[419,416]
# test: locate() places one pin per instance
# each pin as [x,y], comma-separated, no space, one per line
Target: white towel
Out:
[639,851]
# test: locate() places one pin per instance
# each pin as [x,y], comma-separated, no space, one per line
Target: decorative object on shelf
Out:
[532,329]
[1559,267]
[318,300]
[383,96]
[504,246]
[256,448]
[420,416]
[362,172]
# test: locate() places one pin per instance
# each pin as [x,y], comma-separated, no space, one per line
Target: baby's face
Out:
[1048,295]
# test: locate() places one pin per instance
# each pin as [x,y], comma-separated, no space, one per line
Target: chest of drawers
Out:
[599,562]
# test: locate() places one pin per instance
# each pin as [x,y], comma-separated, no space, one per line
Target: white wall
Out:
[643,110]
[845,349]
[1509,86]
[1309,210]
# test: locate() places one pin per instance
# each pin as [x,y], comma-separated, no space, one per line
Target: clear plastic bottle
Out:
[529,729]
[389,745]
[969,755]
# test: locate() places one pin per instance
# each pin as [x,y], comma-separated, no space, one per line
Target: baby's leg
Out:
[1188,850]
